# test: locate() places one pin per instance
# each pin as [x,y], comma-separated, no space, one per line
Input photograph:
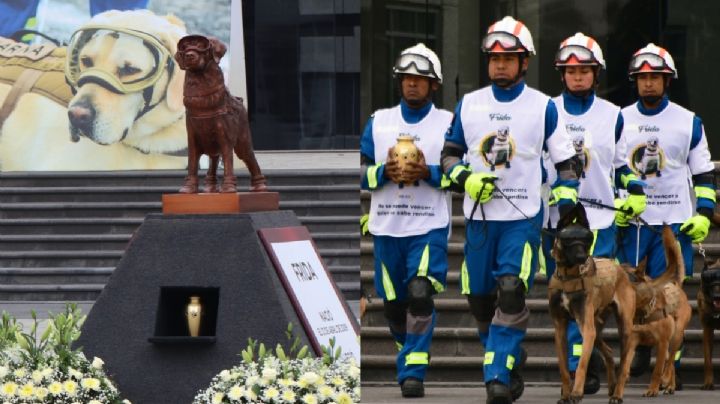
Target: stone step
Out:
[171,178]
[538,290]
[464,342]
[381,368]
[456,313]
[26,242]
[456,254]
[144,193]
[126,225]
[18,210]
[54,275]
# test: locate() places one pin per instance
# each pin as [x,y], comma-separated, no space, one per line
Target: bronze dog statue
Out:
[217,122]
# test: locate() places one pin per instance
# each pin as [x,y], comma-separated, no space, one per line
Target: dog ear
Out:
[218,49]
[641,268]
[581,216]
[179,60]
[170,37]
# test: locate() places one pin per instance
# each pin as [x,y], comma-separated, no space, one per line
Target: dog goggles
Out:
[649,62]
[502,42]
[80,67]
[582,55]
[576,234]
[408,60]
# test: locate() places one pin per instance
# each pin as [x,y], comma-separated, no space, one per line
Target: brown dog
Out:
[662,314]
[587,289]
[708,299]
[217,122]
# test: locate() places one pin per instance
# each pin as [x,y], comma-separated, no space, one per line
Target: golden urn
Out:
[405,151]
[193,312]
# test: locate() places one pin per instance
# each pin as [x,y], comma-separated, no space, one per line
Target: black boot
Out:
[592,378]
[498,393]
[412,387]
[641,361]
[517,384]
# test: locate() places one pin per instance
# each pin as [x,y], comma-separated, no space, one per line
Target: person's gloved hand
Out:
[697,227]
[364,224]
[480,186]
[634,205]
[621,219]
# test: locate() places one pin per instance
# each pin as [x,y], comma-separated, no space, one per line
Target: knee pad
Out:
[420,291]
[482,307]
[511,294]
[395,313]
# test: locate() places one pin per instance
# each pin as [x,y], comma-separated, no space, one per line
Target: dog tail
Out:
[675,269]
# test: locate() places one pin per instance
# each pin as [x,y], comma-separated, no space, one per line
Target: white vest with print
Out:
[409,210]
[593,136]
[506,139]
[658,148]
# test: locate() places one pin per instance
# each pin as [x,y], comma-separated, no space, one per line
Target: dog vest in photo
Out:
[506,139]
[593,137]
[409,210]
[657,152]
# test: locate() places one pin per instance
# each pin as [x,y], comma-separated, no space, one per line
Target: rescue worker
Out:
[502,130]
[595,126]
[666,145]
[408,212]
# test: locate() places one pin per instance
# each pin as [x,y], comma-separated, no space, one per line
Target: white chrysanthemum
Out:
[8,389]
[250,395]
[97,363]
[94,402]
[308,379]
[36,376]
[286,382]
[325,392]
[70,387]
[251,380]
[225,375]
[75,374]
[41,393]
[236,392]
[338,381]
[27,390]
[126,401]
[3,371]
[310,399]
[288,396]
[19,372]
[354,372]
[269,374]
[218,398]
[55,388]
[90,383]
[47,372]
[343,398]
[271,393]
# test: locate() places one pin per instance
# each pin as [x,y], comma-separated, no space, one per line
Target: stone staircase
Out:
[456,354]
[62,234]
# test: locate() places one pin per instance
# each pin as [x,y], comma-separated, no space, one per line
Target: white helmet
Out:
[420,61]
[653,59]
[508,36]
[579,50]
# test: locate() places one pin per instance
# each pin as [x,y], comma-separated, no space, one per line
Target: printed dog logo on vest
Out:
[497,148]
[582,153]
[648,159]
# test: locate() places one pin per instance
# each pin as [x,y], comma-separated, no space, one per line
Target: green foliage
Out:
[292,350]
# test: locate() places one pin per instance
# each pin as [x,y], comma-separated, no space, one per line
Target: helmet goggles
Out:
[504,41]
[582,56]
[422,65]
[78,72]
[649,62]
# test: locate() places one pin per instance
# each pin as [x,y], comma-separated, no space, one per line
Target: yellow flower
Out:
[217,398]
[41,392]
[55,388]
[9,389]
[27,390]
[20,372]
[271,393]
[236,392]
[70,387]
[325,391]
[309,399]
[343,398]
[286,382]
[338,381]
[288,396]
[90,383]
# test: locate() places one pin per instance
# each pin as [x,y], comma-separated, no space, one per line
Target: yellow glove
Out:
[697,227]
[364,224]
[621,219]
[480,186]
[634,205]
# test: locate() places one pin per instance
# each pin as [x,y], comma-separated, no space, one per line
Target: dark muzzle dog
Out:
[708,298]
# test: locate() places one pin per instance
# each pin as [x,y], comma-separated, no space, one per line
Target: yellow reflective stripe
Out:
[678,354]
[541,261]
[456,171]
[526,265]
[372,174]
[464,279]
[399,346]
[416,358]
[489,358]
[437,285]
[424,261]
[510,362]
[562,192]
[577,349]
[626,178]
[445,181]
[705,192]
[387,284]
[592,247]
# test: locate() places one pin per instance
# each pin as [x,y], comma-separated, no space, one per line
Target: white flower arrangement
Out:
[46,369]
[276,377]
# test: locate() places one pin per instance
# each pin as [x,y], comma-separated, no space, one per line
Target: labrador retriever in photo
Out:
[126,111]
